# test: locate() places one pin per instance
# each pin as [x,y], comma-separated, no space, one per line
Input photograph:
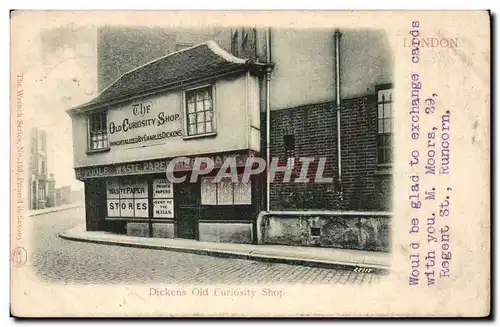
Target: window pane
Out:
[191,118]
[162,188]
[208,191]
[380,126]
[380,141]
[201,128]
[242,193]
[380,110]
[387,125]
[163,208]
[208,104]
[141,208]
[191,107]
[199,106]
[199,96]
[208,115]
[208,127]
[388,155]
[200,117]
[381,156]
[387,110]
[206,93]
[387,141]
[94,145]
[141,189]
[384,95]
[113,208]
[225,191]
[127,208]
[192,129]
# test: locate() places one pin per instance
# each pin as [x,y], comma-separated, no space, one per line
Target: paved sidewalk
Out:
[54,209]
[367,261]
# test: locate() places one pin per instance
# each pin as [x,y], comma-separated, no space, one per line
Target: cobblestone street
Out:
[63,261]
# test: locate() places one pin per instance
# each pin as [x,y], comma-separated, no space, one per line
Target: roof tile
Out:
[196,62]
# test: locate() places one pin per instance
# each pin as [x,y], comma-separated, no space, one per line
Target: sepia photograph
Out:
[232,162]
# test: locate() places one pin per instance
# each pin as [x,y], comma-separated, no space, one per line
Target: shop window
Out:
[127,198]
[98,135]
[225,192]
[384,126]
[163,203]
[200,111]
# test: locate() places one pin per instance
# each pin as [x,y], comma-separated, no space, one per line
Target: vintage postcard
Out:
[250,164]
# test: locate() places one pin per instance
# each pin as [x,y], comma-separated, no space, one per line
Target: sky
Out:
[60,72]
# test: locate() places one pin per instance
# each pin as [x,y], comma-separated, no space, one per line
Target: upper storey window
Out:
[200,111]
[98,134]
[384,117]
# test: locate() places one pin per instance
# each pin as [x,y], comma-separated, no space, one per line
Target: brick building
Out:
[267,92]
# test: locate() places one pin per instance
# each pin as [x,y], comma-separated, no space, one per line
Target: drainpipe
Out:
[268,117]
[337,36]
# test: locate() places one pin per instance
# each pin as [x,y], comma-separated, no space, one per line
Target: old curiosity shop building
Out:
[251,92]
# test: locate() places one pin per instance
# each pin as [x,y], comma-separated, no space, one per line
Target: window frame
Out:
[186,117]
[379,88]
[217,186]
[124,180]
[89,133]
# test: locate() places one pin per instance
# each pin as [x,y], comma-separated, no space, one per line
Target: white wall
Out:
[233,108]
[304,61]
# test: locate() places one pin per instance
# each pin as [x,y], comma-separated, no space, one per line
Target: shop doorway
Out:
[187,209]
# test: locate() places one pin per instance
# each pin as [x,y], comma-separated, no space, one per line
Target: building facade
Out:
[41,185]
[290,94]
[63,195]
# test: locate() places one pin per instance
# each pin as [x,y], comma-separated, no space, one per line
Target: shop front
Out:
[139,199]
[197,103]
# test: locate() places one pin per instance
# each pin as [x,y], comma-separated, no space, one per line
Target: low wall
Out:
[346,230]
[138,229]
[225,232]
[164,230]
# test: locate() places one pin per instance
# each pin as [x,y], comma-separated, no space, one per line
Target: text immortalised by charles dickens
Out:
[167,165]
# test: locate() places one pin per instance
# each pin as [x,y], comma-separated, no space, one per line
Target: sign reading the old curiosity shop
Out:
[142,122]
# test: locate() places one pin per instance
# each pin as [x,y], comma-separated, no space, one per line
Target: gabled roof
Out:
[202,60]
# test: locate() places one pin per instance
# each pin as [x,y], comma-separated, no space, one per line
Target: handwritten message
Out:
[429,195]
